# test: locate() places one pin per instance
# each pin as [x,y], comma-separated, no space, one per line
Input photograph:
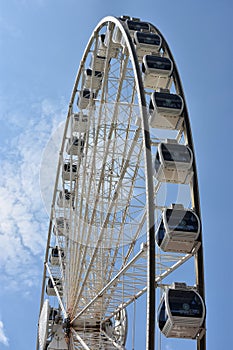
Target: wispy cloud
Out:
[24,222]
[3,338]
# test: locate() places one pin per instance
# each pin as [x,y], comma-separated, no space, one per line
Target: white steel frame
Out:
[110,255]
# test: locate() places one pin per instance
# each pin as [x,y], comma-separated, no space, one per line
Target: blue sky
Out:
[41,44]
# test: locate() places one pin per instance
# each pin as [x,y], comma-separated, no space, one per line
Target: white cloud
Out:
[24,222]
[3,338]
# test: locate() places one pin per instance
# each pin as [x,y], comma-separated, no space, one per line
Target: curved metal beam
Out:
[199,259]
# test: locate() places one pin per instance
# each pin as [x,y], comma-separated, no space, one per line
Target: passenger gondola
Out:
[146,44]
[137,26]
[69,172]
[181,312]
[102,48]
[80,122]
[97,63]
[84,98]
[50,288]
[92,79]
[53,315]
[104,44]
[173,163]
[178,230]
[113,41]
[165,110]
[61,226]
[65,199]
[55,255]
[157,72]
[75,146]
[117,35]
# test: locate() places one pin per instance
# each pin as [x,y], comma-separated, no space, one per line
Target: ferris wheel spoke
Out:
[125,213]
[107,288]
[111,205]
[77,337]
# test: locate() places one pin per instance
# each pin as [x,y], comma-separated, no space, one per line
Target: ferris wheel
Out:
[125,217]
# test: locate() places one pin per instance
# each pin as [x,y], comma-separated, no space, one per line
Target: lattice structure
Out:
[126,156]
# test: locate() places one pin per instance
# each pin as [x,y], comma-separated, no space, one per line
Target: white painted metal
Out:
[58,341]
[165,117]
[113,194]
[43,324]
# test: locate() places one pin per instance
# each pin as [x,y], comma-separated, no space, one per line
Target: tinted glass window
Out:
[60,222]
[162,315]
[157,62]
[82,118]
[53,314]
[168,100]
[179,220]
[86,93]
[185,303]
[138,25]
[50,284]
[67,195]
[148,38]
[176,153]
[56,281]
[102,37]
[98,74]
[55,252]
[157,162]
[89,72]
[67,167]
[77,142]
[160,233]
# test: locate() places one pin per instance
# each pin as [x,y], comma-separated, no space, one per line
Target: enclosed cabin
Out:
[117,34]
[112,42]
[121,326]
[97,63]
[173,163]
[117,39]
[65,199]
[53,316]
[50,290]
[69,171]
[61,227]
[84,98]
[146,44]
[79,122]
[75,146]
[56,255]
[135,25]
[102,48]
[178,230]
[181,312]
[92,79]
[157,72]
[165,110]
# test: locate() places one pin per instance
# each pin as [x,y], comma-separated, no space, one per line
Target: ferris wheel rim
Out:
[148,162]
[196,197]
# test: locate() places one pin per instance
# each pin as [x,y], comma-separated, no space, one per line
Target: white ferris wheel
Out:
[125,216]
